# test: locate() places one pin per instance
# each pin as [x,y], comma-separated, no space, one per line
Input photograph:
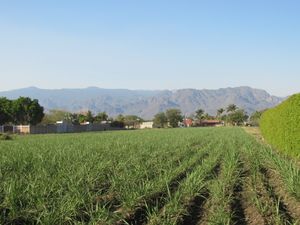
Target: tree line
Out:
[20,111]
[79,118]
[27,111]
[232,115]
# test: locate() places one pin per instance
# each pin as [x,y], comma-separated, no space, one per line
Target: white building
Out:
[145,125]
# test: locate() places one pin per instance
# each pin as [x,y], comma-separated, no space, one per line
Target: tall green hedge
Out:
[281,126]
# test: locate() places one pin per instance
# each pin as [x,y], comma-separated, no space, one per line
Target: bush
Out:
[118,124]
[281,126]
[5,137]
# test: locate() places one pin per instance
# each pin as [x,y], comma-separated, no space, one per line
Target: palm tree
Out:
[231,108]
[199,114]
[220,112]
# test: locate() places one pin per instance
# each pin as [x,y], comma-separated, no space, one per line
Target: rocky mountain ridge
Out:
[146,103]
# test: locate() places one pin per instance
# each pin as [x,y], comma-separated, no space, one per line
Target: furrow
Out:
[237,206]
[282,208]
[158,200]
[195,209]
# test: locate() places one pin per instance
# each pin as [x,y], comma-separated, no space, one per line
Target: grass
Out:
[151,176]
[5,137]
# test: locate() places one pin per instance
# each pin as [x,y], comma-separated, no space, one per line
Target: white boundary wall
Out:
[60,128]
[21,129]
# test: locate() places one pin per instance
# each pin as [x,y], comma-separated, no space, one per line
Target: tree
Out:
[160,120]
[80,118]
[237,117]
[120,118]
[89,117]
[102,116]
[5,110]
[54,115]
[206,116]
[73,118]
[174,117]
[199,114]
[220,111]
[119,121]
[255,118]
[26,111]
[231,108]
[132,120]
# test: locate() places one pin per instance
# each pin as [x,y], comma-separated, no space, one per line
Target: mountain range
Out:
[146,103]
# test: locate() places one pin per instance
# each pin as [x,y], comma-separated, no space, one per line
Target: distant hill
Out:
[147,103]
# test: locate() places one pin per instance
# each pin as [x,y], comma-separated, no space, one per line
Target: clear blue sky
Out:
[154,44]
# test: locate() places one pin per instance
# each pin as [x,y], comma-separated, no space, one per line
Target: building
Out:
[187,122]
[148,124]
[211,123]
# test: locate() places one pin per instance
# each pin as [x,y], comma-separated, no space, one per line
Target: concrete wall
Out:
[21,129]
[56,128]
[145,125]
[60,128]
[43,129]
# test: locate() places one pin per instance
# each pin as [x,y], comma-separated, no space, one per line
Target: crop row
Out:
[170,177]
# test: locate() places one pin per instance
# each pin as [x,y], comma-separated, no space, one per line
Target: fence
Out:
[1,129]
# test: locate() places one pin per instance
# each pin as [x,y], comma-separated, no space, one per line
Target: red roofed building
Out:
[187,122]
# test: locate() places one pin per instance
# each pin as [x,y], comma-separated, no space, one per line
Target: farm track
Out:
[195,208]
[159,199]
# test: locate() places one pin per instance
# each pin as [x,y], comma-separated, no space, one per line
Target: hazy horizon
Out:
[150,45]
[132,89]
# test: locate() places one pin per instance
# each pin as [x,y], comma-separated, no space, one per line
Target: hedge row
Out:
[281,126]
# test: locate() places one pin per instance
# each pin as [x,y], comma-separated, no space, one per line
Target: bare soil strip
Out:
[252,215]
[195,208]
[4,212]
[158,200]
[267,205]
[110,200]
[284,212]
[292,204]
[237,205]
[288,202]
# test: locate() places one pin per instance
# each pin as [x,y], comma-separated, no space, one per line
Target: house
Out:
[187,122]
[147,124]
[211,123]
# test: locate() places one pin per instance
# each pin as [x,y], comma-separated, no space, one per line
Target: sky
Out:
[150,44]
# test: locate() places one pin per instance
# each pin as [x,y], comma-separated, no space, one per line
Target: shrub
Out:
[118,124]
[5,137]
[281,126]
